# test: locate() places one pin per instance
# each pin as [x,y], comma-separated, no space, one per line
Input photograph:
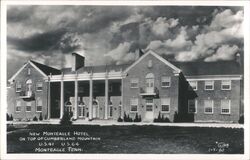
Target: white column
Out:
[106,98]
[62,100]
[76,100]
[122,109]
[49,103]
[90,98]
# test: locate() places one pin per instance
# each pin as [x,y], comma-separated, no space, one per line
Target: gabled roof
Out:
[209,68]
[46,69]
[41,68]
[158,57]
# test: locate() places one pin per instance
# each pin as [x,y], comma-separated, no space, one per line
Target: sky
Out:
[113,34]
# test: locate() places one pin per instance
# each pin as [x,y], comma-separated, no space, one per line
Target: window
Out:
[18,106]
[39,86]
[209,85]
[225,85]
[165,81]
[39,105]
[208,106]
[193,85]
[29,71]
[18,87]
[192,103]
[150,64]
[165,104]
[134,83]
[225,106]
[29,87]
[28,107]
[149,104]
[134,105]
[150,83]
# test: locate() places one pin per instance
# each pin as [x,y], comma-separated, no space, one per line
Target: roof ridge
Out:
[45,68]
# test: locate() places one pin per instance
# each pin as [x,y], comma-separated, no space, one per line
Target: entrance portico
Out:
[84,93]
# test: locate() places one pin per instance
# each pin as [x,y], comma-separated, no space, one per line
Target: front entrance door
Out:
[149,114]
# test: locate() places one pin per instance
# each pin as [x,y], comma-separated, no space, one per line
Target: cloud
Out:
[172,46]
[226,19]
[112,34]
[162,24]
[225,52]
[38,42]
[121,54]
[220,32]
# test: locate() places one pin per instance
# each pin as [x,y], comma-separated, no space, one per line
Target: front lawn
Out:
[134,139]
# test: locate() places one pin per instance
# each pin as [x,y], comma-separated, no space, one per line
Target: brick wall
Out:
[22,77]
[140,71]
[217,95]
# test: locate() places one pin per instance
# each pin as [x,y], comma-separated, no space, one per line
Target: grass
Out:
[138,139]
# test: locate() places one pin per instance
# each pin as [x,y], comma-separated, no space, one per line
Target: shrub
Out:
[40,117]
[166,119]
[241,120]
[176,117]
[8,117]
[161,118]
[127,118]
[35,119]
[66,119]
[137,118]
[11,117]
[119,119]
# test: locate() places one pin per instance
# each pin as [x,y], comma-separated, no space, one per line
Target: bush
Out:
[137,118]
[66,119]
[127,118]
[35,119]
[241,120]
[161,118]
[119,119]
[40,117]
[176,117]
[11,117]
[8,117]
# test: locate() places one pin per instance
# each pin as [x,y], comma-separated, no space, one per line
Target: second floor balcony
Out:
[149,91]
[26,94]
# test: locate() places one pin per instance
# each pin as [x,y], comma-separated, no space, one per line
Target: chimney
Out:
[139,53]
[78,61]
